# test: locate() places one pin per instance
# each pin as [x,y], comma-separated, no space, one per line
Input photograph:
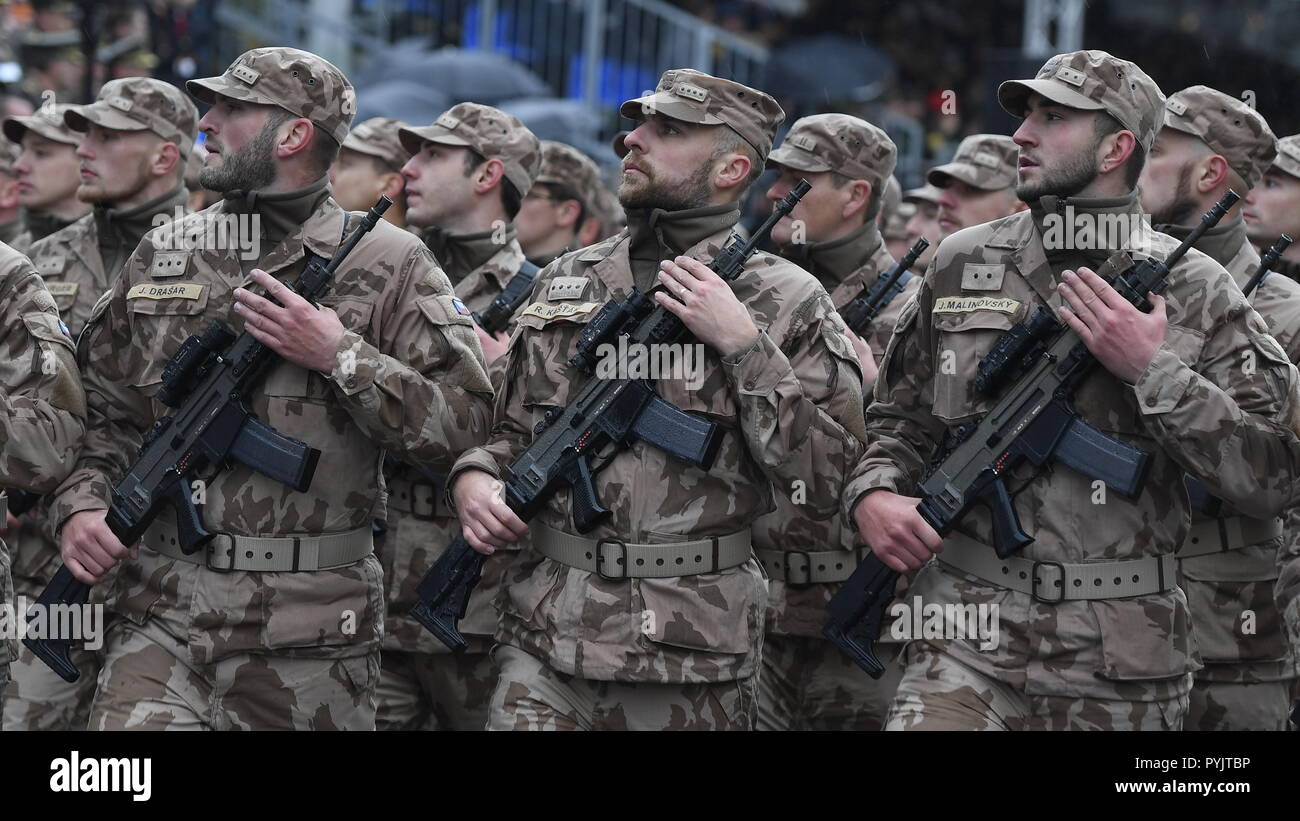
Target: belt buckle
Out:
[1033,581]
[210,551]
[599,572]
[807,561]
[416,487]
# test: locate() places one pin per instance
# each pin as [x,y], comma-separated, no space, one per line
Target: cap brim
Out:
[78,118]
[941,176]
[1012,95]
[207,89]
[669,106]
[926,193]
[16,127]
[796,158]
[413,138]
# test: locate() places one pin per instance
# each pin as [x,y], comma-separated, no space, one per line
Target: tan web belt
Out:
[810,566]
[614,559]
[1233,533]
[421,499]
[1054,582]
[262,554]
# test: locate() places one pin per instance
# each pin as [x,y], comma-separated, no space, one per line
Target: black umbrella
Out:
[827,68]
[478,76]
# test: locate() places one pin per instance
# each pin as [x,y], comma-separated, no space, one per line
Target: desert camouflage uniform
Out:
[78,264]
[579,649]
[1249,665]
[807,683]
[198,646]
[423,685]
[42,405]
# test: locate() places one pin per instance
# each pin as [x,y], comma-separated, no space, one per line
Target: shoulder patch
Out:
[567,288]
[460,307]
[965,304]
[549,312]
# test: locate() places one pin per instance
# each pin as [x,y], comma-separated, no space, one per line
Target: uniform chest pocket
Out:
[545,344]
[162,317]
[962,339]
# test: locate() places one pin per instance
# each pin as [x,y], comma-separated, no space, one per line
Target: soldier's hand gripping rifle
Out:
[207,381]
[1034,421]
[1197,495]
[861,312]
[605,415]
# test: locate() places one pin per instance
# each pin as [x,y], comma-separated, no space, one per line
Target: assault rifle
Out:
[497,315]
[605,414]
[207,381]
[861,312]
[1034,421]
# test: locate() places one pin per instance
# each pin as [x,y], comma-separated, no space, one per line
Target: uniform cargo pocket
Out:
[963,338]
[711,612]
[1144,638]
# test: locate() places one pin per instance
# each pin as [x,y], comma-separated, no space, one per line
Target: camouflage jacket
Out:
[1236,438]
[70,262]
[408,379]
[42,405]
[1235,619]
[779,425]
[846,268]
[412,544]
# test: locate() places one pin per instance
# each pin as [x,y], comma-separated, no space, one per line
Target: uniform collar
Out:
[655,234]
[835,260]
[1222,243]
[461,254]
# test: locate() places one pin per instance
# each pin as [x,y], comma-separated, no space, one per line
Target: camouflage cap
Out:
[1227,125]
[140,104]
[986,161]
[1288,155]
[297,81]
[926,193]
[1095,81]
[695,97]
[837,142]
[489,131]
[566,165]
[378,137]
[47,121]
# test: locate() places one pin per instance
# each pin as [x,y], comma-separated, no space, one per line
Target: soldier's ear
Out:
[1214,170]
[166,159]
[489,175]
[858,197]
[8,192]
[733,170]
[393,185]
[297,138]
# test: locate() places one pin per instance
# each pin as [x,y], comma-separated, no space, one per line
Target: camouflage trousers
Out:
[1230,705]
[531,696]
[434,691]
[148,682]
[36,698]
[808,684]
[940,692]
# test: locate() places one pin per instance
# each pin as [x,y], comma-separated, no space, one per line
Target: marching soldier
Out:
[277,624]
[924,222]
[833,232]
[1212,142]
[654,619]
[1114,652]
[1272,208]
[560,206]
[979,185]
[370,164]
[133,153]
[47,169]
